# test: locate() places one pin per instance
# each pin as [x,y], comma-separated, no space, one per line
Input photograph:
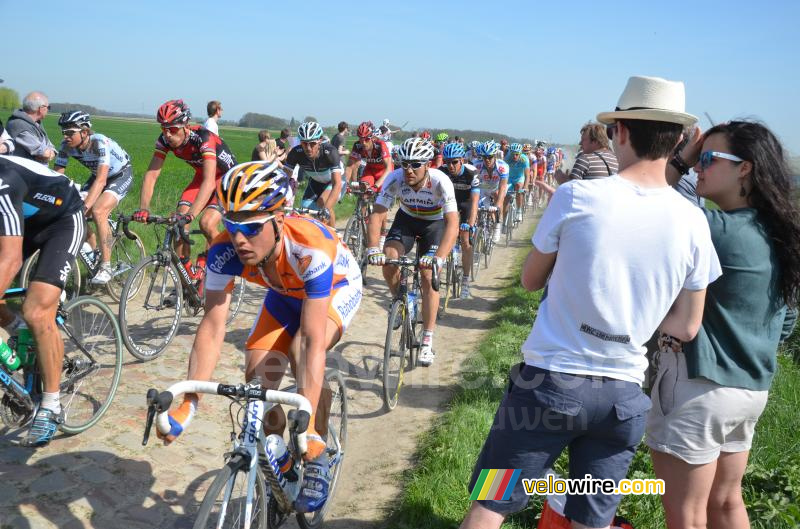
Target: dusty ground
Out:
[105,479]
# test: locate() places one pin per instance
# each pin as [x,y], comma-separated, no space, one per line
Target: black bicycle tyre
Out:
[477,250]
[114,287]
[236,465]
[135,349]
[101,410]
[394,338]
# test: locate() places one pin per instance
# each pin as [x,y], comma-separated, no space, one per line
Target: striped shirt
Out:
[597,164]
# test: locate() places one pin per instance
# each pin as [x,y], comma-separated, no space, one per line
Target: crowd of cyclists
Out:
[310,274]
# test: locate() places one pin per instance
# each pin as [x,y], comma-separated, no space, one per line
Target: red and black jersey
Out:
[374,157]
[200,144]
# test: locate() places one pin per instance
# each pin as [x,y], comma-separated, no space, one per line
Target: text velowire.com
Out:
[589,485]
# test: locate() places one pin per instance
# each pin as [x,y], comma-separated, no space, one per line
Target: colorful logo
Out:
[495,484]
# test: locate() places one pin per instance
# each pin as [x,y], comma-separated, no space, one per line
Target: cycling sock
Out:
[51,401]
[427,337]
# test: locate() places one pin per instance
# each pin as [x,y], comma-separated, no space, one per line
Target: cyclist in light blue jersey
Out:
[519,173]
[112,177]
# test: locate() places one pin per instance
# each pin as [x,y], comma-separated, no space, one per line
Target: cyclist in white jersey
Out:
[112,178]
[493,175]
[428,210]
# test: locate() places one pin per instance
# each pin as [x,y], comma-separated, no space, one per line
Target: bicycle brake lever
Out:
[152,404]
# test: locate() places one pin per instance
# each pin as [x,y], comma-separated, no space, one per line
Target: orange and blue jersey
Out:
[312,264]
[432,201]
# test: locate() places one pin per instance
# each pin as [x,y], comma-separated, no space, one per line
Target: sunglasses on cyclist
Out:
[707,158]
[69,132]
[488,157]
[413,165]
[249,228]
[172,130]
[453,161]
[310,143]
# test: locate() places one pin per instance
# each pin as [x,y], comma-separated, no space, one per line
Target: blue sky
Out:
[524,68]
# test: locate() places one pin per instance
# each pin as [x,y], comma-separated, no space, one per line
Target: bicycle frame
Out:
[167,255]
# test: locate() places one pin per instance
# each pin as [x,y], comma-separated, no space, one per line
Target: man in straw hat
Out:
[624,255]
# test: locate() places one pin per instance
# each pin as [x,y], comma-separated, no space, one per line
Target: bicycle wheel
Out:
[72,287]
[125,254]
[354,237]
[488,245]
[92,362]
[237,296]
[225,502]
[508,222]
[458,279]
[448,282]
[394,354]
[149,319]
[337,439]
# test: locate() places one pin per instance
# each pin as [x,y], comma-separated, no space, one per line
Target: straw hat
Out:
[651,98]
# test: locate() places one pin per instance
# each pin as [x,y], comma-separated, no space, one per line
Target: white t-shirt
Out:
[624,254]
[211,125]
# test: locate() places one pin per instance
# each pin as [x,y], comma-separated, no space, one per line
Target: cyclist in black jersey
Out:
[40,210]
[320,162]
[466,185]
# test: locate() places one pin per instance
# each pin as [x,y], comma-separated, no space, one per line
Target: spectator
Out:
[266,148]
[25,128]
[214,110]
[340,138]
[283,144]
[596,159]
[579,385]
[710,392]
[6,143]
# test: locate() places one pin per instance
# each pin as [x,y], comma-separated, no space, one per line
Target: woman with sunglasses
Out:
[320,162]
[710,392]
[111,179]
[428,210]
[314,291]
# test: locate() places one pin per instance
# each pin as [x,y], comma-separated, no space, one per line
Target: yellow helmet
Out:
[253,186]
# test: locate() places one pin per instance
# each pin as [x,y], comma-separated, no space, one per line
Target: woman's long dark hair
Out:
[773,195]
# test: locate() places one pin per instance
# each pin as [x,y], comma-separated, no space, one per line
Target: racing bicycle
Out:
[250,490]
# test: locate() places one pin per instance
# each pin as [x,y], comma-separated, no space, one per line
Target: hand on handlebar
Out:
[376,257]
[427,261]
[141,215]
[182,218]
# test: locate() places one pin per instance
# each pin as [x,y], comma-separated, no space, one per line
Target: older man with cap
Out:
[621,256]
[25,128]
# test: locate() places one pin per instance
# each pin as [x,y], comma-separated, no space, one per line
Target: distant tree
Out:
[9,99]
[261,121]
[310,118]
[292,123]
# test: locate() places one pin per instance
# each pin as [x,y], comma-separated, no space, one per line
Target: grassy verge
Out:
[436,493]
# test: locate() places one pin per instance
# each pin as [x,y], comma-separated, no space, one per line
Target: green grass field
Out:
[436,488]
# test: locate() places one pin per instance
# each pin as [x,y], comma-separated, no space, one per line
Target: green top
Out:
[744,311]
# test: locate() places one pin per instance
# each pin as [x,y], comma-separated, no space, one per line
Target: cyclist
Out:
[503,148]
[40,210]
[474,151]
[527,150]
[551,161]
[466,186]
[207,154]
[428,210]
[438,144]
[519,174]
[112,177]
[320,162]
[378,158]
[493,177]
[311,278]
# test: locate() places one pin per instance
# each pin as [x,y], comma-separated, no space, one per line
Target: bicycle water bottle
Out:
[280,459]
[88,253]
[9,357]
[412,303]
[25,345]
[457,253]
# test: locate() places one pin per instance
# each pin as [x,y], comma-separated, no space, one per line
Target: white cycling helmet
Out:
[416,150]
[309,131]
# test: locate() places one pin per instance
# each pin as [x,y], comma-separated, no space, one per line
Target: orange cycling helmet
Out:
[425,135]
[173,113]
[253,186]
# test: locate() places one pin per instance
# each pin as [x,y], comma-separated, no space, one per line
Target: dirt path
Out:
[105,479]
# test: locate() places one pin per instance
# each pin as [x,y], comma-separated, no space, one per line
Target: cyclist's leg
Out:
[399,241]
[466,248]
[210,220]
[102,208]
[322,199]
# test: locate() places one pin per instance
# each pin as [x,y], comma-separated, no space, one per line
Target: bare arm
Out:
[537,269]
[685,316]
[387,168]
[449,236]
[149,181]
[99,184]
[473,208]
[333,196]
[210,335]
[311,368]
[374,227]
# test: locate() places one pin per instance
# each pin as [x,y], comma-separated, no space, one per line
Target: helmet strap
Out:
[263,264]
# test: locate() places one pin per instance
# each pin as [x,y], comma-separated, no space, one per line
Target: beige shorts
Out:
[696,419]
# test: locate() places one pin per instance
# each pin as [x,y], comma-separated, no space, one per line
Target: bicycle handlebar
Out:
[407,261]
[127,219]
[169,221]
[159,403]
